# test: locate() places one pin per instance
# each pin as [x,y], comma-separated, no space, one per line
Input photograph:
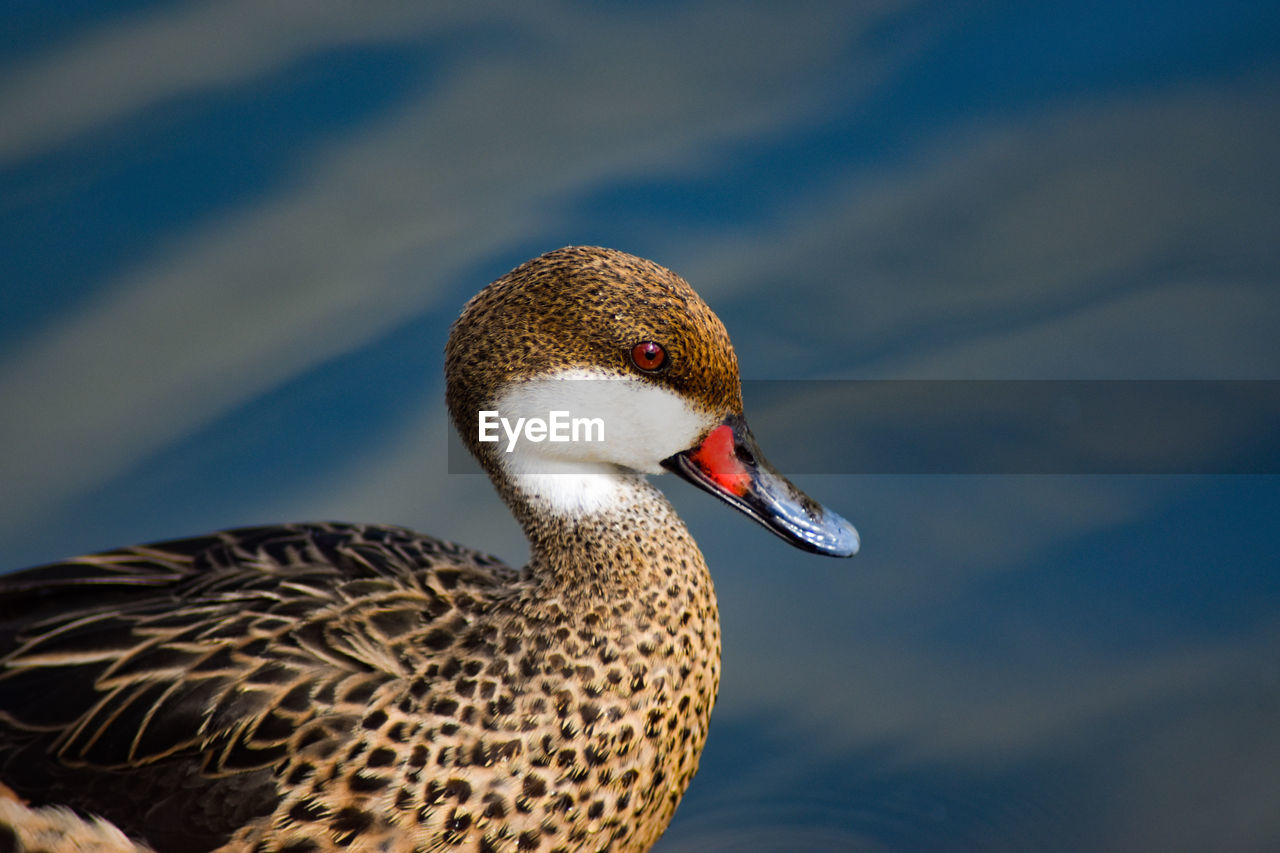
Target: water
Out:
[233,237]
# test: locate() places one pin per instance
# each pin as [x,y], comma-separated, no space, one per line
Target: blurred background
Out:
[233,235]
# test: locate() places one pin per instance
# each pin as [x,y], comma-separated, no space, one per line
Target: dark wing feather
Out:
[191,668]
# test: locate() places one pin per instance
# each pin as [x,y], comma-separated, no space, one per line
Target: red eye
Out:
[648,355]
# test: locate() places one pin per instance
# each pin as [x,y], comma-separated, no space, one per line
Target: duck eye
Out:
[648,355]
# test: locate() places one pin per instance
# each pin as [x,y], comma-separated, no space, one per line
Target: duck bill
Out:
[729,465]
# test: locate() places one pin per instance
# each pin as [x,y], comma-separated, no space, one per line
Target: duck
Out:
[359,687]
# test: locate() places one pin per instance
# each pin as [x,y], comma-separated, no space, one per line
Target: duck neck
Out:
[619,540]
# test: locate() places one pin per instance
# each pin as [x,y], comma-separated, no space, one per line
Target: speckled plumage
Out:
[316,687]
[332,677]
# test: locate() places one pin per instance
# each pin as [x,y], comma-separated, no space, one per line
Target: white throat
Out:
[581,490]
[579,442]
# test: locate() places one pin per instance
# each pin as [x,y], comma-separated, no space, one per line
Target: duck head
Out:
[582,370]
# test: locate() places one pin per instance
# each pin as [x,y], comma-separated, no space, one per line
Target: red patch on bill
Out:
[716,458]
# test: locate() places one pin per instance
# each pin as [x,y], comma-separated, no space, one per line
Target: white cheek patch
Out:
[573,440]
[587,417]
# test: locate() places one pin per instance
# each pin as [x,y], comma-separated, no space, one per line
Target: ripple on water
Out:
[894,817]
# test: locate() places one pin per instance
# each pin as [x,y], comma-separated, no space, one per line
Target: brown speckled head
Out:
[584,307]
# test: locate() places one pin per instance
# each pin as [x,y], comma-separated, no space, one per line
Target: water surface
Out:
[233,236]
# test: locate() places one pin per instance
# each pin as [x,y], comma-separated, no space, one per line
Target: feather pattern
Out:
[203,661]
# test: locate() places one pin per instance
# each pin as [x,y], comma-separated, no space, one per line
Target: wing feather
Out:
[216,654]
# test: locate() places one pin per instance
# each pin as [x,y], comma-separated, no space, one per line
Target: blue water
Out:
[232,238]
